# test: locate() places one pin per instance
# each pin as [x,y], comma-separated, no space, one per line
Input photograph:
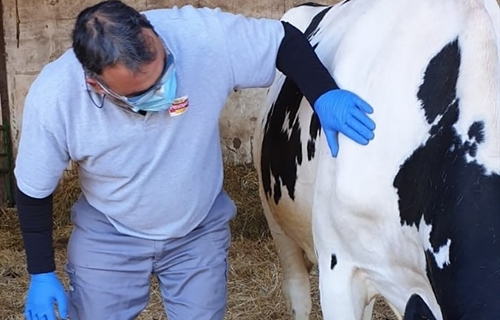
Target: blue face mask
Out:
[160,98]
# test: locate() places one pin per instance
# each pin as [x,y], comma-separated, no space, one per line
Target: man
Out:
[136,104]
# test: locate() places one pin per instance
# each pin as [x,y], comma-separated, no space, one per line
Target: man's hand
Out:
[343,111]
[44,290]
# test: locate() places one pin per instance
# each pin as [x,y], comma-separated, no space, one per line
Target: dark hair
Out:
[110,32]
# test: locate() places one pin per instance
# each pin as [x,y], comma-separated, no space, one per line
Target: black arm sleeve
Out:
[35,219]
[297,60]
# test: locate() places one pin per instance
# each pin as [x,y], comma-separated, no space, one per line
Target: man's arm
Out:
[35,219]
[338,110]
[297,60]
[255,48]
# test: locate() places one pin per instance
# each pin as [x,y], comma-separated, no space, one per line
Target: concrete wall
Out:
[38,31]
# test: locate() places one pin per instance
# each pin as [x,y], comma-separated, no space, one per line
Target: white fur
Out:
[379,49]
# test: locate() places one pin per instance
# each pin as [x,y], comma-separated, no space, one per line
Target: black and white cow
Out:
[416,213]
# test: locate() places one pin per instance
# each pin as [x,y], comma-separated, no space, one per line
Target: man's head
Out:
[118,49]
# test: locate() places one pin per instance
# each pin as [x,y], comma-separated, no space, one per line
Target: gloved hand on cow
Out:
[343,111]
[44,290]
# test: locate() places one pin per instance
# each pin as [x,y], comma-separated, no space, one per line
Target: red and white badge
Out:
[179,106]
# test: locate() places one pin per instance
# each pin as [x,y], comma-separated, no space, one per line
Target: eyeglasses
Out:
[130,102]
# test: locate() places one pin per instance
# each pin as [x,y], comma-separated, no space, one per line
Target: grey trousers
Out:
[110,272]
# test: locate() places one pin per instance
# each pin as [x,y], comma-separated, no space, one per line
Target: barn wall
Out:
[38,31]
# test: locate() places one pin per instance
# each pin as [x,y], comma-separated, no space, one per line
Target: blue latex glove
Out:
[343,111]
[44,290]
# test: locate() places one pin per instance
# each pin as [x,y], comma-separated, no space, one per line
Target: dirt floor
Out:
[254,278]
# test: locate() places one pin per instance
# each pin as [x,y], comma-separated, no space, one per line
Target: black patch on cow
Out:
[438,88]
[471,148]
[459,199]
[422,173]
[417,309]
[314,130]
[476,131]
[312,28]
[438,96]
[476,136]
[282,152]
[311,4]
[333,262]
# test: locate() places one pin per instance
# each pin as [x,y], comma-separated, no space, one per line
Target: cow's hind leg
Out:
[296,287]
[343,290]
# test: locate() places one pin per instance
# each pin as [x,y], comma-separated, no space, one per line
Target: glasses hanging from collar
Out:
[98,99]
[91,93]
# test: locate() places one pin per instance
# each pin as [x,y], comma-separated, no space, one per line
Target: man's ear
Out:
[94,85]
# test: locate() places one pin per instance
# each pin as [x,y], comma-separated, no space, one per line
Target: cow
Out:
[414,216]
